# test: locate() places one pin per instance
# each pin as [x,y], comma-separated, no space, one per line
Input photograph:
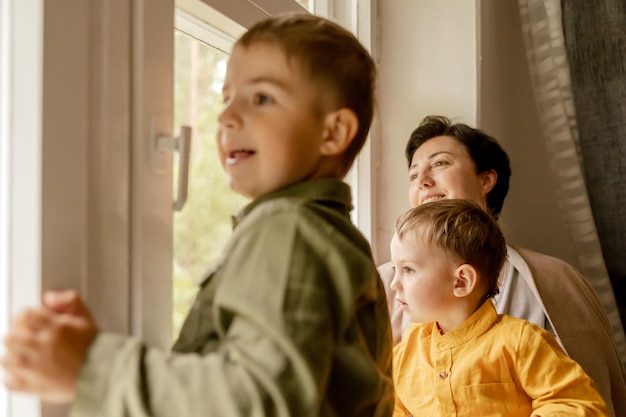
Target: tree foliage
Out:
[203,226]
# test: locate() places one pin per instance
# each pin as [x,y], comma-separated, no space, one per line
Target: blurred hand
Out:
[67,301]
[46,347]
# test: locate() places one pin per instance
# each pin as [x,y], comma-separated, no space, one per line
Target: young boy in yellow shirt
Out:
[460,358]
[292,320]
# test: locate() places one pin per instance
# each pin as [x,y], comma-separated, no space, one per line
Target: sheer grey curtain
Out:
[562,124]
[595,40]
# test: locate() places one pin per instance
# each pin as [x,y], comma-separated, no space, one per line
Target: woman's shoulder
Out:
[526,260]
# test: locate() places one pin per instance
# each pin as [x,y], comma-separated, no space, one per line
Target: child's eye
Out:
[407,270]
[262,99]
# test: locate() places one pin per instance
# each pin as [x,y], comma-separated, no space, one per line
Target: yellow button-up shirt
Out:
[490,365]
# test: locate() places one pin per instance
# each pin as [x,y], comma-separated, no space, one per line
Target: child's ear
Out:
[466,280]
[339,131]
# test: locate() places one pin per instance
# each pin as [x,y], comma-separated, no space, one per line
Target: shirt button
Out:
[443,375]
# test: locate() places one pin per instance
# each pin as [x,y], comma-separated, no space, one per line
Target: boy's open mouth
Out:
[237,155]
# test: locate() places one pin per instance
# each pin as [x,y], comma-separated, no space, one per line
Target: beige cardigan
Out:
[573,309]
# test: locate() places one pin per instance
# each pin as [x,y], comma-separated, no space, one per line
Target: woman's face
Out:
[442,169]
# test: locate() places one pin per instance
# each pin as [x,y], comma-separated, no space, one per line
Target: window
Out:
[202,227]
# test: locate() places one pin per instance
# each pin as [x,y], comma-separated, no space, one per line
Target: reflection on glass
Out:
[204,225]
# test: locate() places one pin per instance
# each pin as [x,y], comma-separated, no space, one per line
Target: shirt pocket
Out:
[493,399]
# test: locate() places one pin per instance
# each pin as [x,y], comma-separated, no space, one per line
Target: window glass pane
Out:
[203,226]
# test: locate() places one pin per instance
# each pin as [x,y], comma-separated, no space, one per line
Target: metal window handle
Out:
[182,145]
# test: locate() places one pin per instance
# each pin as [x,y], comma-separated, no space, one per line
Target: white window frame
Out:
[189,24]
[196,17]
[4,182]
[21,42]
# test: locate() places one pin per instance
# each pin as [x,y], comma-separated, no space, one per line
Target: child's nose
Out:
[228,118]
[395,283]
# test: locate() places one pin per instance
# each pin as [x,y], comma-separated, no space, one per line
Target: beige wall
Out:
[427,60]
[465,60]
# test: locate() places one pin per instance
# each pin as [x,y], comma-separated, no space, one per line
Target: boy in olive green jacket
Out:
[292,320]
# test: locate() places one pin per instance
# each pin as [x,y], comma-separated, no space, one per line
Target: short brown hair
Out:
[462,229]
[330,55]
[485,151]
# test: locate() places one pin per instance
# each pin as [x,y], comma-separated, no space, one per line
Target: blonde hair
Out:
[462,229]
[330,55]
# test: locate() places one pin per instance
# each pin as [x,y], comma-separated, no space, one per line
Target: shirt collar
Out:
[327,191]
[476,324]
